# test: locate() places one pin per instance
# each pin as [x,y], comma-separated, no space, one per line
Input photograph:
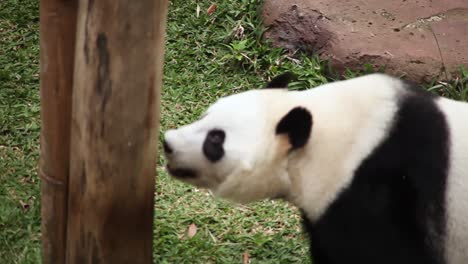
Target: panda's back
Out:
[405,201]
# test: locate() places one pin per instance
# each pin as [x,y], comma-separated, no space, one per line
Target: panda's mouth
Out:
[181,173]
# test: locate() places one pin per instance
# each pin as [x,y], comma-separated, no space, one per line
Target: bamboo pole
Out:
[57,48]
[115,121]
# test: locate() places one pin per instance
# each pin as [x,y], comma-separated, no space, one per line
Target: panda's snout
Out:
[167,148]
[168,142]
[173,166]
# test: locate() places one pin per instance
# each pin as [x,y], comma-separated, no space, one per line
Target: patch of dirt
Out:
[419,40]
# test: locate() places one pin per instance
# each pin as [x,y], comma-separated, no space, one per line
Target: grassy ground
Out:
[206,57]
[19,132]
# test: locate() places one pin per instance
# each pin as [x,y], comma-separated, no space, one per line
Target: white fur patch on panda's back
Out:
[456,114]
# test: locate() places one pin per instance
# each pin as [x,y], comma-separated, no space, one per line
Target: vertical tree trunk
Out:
[115,122]
[57,49]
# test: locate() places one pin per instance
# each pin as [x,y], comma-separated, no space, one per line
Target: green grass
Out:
[206,57]
[19,132]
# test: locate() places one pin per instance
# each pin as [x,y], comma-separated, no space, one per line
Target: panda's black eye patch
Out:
[216,136]
[213,145]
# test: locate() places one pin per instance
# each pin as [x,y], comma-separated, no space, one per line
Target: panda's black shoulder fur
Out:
[281,81]
[393,210]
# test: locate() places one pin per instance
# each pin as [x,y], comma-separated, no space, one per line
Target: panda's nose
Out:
[167,147]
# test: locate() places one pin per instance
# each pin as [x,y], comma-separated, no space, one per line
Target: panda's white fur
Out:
[349,120]
[457,187]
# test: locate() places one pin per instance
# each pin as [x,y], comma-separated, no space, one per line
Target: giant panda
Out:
[378,167]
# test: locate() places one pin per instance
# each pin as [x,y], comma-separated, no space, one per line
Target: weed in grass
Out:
[456,89]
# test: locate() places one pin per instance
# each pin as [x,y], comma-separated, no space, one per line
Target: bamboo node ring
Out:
[47,178]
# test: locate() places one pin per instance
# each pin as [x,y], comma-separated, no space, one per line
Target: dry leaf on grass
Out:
[24,205]
[240,32]
[198,10]
[245,257]
[192,230]
[211,9]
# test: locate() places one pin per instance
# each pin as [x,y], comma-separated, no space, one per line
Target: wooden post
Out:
[57,49]
[115,121]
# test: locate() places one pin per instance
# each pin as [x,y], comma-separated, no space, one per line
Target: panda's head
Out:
[239,147]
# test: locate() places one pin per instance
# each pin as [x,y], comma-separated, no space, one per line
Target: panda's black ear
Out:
[282,80]
[297,124]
